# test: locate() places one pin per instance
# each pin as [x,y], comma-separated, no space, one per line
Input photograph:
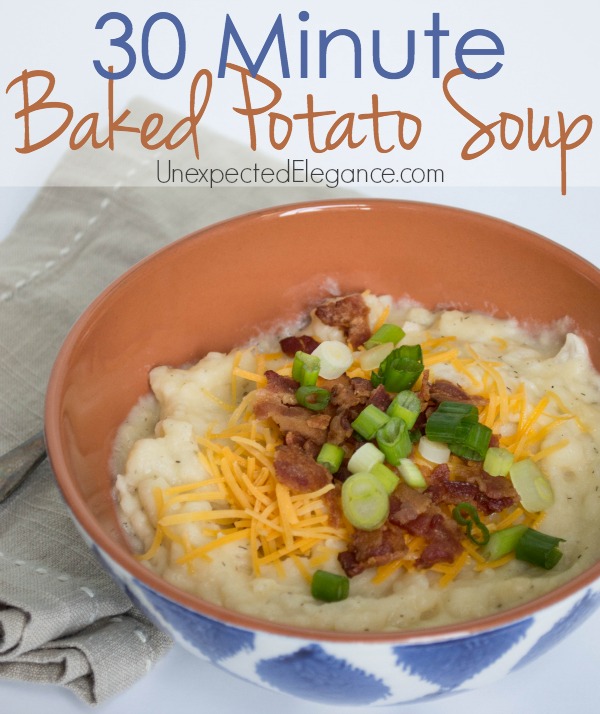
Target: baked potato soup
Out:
[376,466]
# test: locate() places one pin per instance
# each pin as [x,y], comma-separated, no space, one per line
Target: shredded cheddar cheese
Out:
[275,523]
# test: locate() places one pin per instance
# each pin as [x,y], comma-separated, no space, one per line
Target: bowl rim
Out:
[83,517]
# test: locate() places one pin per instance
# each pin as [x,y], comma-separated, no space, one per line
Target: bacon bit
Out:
[272,404]
[349,313]
[284,386]
[443,538]
[333,503]
[347,393]
[424,391]
[369,549]
[298,471]
[302,343]
[487,493]
[340,428]
[293,438]
[407,503]
[443,391]
[418,515]
[494,487]
[380,398]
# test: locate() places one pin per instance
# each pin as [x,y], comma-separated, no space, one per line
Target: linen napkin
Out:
[62,619]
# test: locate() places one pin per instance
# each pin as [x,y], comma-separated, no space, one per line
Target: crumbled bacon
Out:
[298,471]
[340,428]
[347,393]
[443,538]
[443,391]
[293,438]
[424,390]
[285,387]
[417,514]
[369,549]
[350,313]
[333,502]
[380,398]
[277,401]
[406,504]
[496,488]
[490,494]
[302,343]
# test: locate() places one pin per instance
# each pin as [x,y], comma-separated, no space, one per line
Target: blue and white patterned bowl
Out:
[178,304]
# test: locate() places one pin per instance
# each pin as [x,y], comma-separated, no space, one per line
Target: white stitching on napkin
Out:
[65,250]
[9,294]
[142,636]
[63,577]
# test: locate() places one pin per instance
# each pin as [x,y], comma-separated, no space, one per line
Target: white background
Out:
[550,65]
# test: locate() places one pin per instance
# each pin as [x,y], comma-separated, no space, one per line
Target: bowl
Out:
[217,288]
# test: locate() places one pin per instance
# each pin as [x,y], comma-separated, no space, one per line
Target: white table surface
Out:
[565,679]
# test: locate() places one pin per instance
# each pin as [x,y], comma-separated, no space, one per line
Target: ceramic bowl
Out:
[218,287]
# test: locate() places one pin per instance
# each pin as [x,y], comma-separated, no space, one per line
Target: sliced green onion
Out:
[408,417]
[434,451]
[365,501]
[305,369]
[471,441]
[400,369]
[468,412]
[413,352]
[365,457]
[371,359]
[407,406]
[503,542]
[415,435]
[533,487]
[497,461]
[402,375]
[386,333]
[466,515]
[335,358]
[394,441]
[314,398]
[445,421]
[387,477]
[539,549]
[329,587]
[456,424]
[331,457]
[411,474]
[369,421]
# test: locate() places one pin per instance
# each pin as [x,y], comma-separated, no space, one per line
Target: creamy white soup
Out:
[240,477]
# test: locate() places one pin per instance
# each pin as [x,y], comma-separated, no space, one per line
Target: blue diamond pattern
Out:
[450,664]
[576,615]
[215,640]
[311,673]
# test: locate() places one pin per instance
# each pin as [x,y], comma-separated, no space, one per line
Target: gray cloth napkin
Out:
[62,619]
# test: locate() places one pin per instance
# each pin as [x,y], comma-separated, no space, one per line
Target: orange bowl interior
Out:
[218,287]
